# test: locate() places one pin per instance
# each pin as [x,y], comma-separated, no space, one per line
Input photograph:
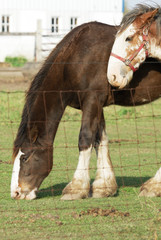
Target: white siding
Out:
[63,5]
[25,13]
[17,46]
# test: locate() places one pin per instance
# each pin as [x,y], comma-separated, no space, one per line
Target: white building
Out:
[18,21]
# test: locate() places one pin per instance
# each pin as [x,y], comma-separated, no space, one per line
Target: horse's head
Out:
[32,163]
[133,43]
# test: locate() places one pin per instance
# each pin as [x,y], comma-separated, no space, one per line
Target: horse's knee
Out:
[85,139]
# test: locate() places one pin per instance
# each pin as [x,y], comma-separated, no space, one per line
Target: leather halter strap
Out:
[144,44]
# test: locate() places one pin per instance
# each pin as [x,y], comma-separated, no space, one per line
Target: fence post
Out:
[38,41]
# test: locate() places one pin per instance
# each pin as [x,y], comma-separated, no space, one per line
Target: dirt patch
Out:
[50,217]
[95,212]
[4,64]
[33,218]
[14,87]
[11,76]
[17,79]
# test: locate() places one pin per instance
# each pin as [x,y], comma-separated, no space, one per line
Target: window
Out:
[55,24]
[5,21]
[73,22]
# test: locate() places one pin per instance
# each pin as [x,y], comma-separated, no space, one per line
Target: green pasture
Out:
[135,148]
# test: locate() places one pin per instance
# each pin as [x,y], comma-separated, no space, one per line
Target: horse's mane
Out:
[30,98]
[136,12]
[38,81]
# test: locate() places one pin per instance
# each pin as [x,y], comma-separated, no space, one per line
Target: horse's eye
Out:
[128,39]
[23,158]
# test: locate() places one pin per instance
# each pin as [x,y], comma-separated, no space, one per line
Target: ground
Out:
[17,79]
[135,148]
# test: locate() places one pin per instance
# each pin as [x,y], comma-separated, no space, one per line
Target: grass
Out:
[16,61]
[136,157]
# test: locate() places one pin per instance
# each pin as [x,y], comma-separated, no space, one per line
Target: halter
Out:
[144,44]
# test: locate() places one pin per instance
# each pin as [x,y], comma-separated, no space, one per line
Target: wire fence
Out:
[134,142]
[134,133]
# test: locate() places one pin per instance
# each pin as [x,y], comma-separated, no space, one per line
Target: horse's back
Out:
[79,62]
[85,56]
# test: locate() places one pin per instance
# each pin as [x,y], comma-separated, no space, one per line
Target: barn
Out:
[32,28]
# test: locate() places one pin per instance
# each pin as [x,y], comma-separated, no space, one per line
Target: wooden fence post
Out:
[38,42]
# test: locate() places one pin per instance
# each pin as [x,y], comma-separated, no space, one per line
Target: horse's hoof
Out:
[150,188]
[76,196]
[146,193]
[75,190]
[101,189]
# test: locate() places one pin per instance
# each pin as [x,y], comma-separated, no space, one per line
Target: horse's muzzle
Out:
[113,81]
[28,195]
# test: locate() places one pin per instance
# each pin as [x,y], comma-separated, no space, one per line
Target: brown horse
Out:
[138,37]
[75,74]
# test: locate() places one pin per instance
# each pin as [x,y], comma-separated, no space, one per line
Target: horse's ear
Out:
[147,17]
[33,134]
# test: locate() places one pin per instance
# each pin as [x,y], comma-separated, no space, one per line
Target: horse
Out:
[75,75]
[139,37]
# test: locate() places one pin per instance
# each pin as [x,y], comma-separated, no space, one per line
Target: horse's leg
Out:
[152,187]
[105,183]
[79,187]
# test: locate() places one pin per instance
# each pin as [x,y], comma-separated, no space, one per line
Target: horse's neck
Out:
[155,49]
[45,116]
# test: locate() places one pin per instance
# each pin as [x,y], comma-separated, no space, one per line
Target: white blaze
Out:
[117,72]
[15,175]
[119,47]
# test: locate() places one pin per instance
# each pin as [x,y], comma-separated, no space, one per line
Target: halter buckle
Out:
[146,45]
[145,31]
[127,62]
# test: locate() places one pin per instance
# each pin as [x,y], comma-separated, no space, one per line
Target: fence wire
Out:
[134,135]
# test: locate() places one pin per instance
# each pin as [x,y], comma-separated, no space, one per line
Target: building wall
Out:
[63,5]
[17,46]
[24,15]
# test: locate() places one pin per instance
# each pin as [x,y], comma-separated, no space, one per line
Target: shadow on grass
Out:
[57,189]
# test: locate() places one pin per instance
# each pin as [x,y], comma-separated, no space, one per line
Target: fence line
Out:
[134,142]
